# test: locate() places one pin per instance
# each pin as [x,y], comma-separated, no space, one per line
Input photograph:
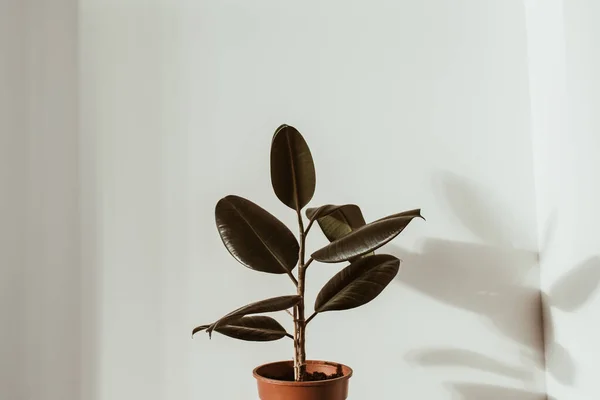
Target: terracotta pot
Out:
[273,389]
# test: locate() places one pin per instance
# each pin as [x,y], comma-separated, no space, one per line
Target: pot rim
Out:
[303,383]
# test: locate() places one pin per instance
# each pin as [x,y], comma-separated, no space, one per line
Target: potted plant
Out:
[261,242]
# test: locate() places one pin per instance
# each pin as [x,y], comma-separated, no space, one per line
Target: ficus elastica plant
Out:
[261,242]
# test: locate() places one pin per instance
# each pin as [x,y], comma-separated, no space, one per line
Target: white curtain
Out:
[40,339]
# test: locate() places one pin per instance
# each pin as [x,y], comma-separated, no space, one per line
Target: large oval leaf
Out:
[253,329]
[254,237]
[410,213]
[337,221]
[292,168]
[358,283]
[363,240]
[269,305]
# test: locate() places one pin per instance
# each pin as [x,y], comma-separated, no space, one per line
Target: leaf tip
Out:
[421,215]
[279,129]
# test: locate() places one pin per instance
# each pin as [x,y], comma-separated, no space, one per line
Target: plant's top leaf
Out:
[363,240]
[292,168]
[336,221]
[254,237]
[410,213]
[269,305]
[358,283]
[250,328]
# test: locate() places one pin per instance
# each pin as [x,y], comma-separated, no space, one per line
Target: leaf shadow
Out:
[470,204]
[575,288]
[571,292]
[485,280]
[491,279]
[468,391]
[467,359]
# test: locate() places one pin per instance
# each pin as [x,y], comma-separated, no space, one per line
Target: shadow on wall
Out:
[490,280]
[490,392]
[467,359]
[568,294]
[482,279]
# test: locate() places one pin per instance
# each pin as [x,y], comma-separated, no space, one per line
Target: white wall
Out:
[39,254]
[404,104]
[566,141]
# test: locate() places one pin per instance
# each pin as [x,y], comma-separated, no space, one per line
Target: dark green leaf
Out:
[292,168]
[337,221]
[199,329]
[363,240]
[254,237]
[410,213]
[252,328]
[269,305]
[318,212]
[358,283]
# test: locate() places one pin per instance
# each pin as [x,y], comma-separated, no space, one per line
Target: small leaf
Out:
[358,283]
[269,305]
[292,168]
[254,237]
[318,212]
[337,221]
[253,329]
[363,240]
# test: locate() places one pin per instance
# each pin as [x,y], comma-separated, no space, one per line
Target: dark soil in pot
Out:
[288,375]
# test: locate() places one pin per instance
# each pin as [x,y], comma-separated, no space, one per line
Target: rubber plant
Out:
[261,242]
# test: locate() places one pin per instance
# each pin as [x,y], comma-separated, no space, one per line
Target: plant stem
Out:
[310,224]
[310,318]
[308,263]
[293,278]
[299,320]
